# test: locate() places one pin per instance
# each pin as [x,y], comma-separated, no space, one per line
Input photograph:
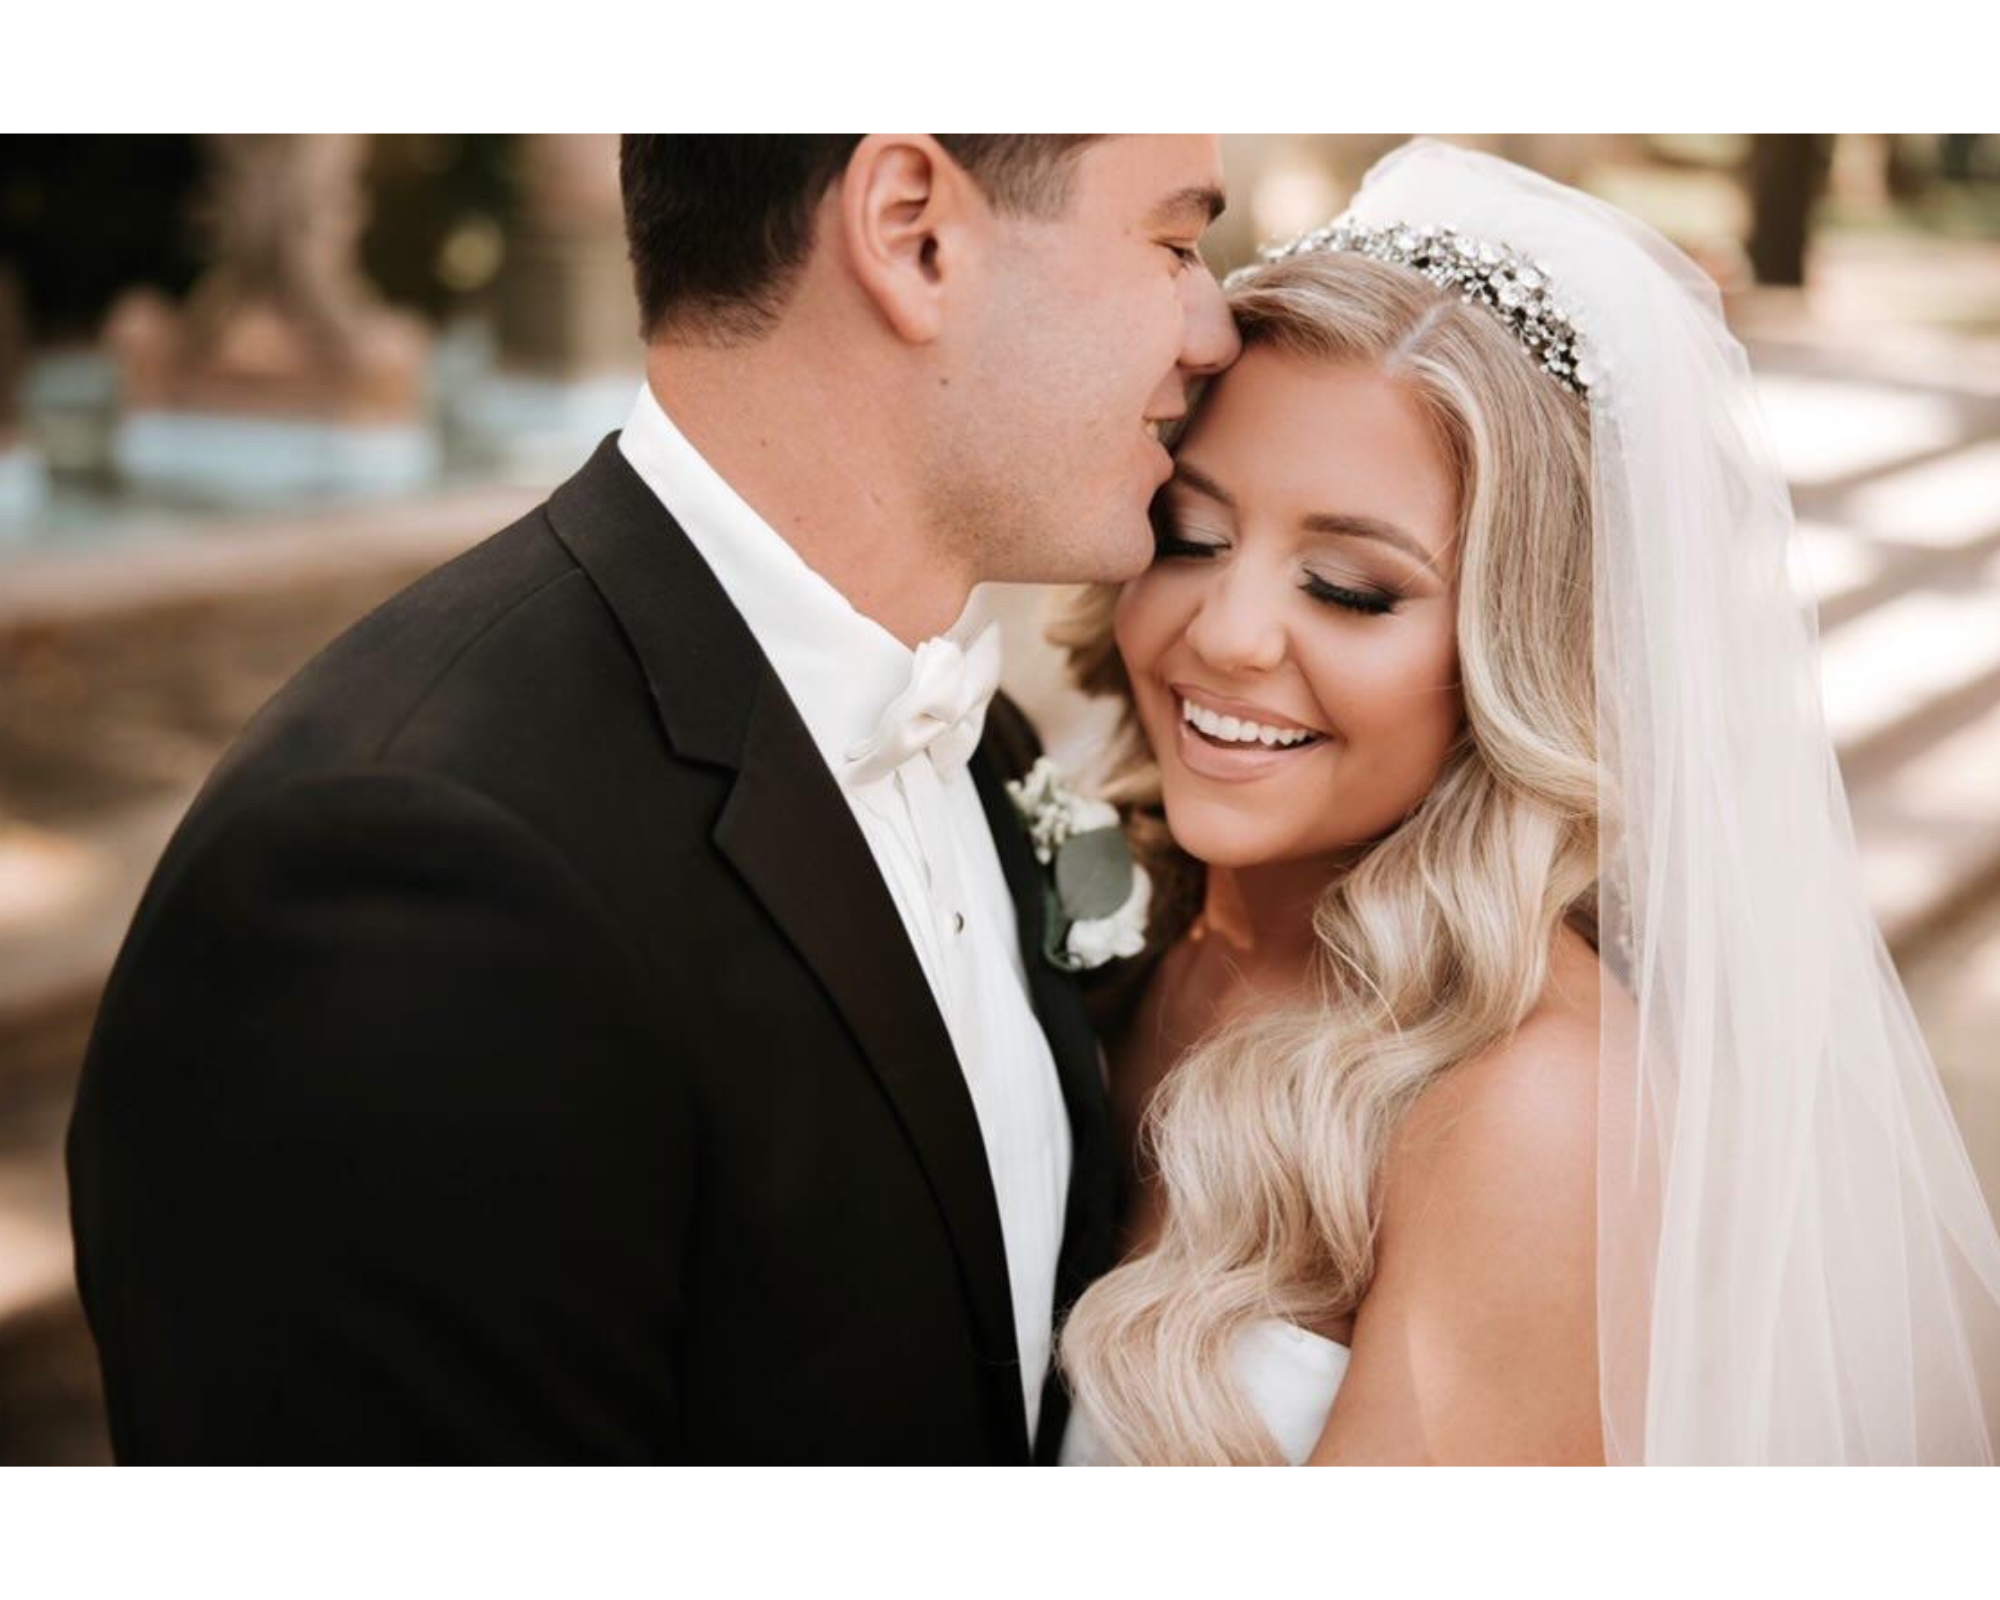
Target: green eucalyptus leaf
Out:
[1093,874]
[1055,932]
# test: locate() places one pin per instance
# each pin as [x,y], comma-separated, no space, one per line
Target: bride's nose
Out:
[1237,627]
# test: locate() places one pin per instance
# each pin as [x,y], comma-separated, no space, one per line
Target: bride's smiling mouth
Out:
[1222,738]
[1233,724]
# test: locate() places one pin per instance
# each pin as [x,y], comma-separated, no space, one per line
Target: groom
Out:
[596,1011]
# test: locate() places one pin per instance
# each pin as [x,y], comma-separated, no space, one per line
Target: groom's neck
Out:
[791,425]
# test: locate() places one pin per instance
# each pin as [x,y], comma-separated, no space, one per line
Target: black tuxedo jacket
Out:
[517,1057]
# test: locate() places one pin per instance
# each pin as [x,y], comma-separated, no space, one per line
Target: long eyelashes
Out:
[1168,546]
[1368,602]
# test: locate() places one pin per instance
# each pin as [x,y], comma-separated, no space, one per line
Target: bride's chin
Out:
[1214,841]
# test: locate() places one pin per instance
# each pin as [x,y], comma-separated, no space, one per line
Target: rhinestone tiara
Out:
[1514,289]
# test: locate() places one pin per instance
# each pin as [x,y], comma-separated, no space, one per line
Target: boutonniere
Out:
[1097,895]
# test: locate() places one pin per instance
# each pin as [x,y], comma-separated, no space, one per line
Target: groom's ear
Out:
[906,210]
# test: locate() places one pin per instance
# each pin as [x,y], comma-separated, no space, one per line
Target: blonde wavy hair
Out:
[1268,1138]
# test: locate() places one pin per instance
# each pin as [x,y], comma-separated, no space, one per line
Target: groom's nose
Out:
[1209,339]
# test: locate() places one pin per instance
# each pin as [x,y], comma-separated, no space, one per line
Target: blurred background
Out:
[252,385]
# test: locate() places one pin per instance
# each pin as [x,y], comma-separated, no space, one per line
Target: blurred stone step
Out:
[1853,573]
[147,562]
[51,1404]
[1903,674]
[51,1397]
[1910,673]
[1929,830]
[67,893]
[36,1271]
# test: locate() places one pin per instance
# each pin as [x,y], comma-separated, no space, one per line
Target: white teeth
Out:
[1234,730]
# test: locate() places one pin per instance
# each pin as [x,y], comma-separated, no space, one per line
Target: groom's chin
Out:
[1058,548]
[1123,549]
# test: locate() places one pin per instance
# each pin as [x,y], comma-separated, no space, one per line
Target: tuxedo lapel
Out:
[789,832]
[791,835]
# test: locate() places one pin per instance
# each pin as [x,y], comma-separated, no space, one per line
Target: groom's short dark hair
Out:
[718,224]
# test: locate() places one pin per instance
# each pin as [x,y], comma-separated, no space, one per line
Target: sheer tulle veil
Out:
[1795,1263]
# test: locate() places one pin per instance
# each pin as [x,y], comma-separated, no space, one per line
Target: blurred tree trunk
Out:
[1955,152]
[13,347]
[565,297]
[1909,172]
[1786,173]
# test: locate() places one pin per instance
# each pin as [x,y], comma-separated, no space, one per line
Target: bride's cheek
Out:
[1126,632]
[1147,620]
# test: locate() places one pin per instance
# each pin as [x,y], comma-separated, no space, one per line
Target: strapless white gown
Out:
[1291,1376]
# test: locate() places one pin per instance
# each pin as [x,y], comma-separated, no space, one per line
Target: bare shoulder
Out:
[1514,1130]
[1477,1338]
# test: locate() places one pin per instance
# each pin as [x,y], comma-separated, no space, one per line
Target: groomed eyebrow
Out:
[1341,524]
[1203,484]
[1201,203]
[1354,527]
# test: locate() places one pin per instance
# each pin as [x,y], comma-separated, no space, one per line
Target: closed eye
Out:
[1170,542]
[1364,602]
[1171,545]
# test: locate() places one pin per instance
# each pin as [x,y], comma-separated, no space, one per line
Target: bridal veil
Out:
[1795,1263]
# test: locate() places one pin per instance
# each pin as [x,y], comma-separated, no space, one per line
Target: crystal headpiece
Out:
[1513,288]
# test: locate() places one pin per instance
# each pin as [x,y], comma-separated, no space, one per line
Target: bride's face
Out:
[1301,611]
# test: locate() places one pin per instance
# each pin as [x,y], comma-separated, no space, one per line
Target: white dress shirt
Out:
[928,834]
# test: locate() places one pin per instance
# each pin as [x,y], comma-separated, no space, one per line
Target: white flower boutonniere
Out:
[1097,895]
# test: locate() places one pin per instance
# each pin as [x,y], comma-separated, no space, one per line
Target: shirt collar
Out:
[840,668]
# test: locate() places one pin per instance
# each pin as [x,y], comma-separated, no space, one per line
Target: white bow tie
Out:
[942,712]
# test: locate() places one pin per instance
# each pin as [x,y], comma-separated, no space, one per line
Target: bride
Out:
[1518,1075]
